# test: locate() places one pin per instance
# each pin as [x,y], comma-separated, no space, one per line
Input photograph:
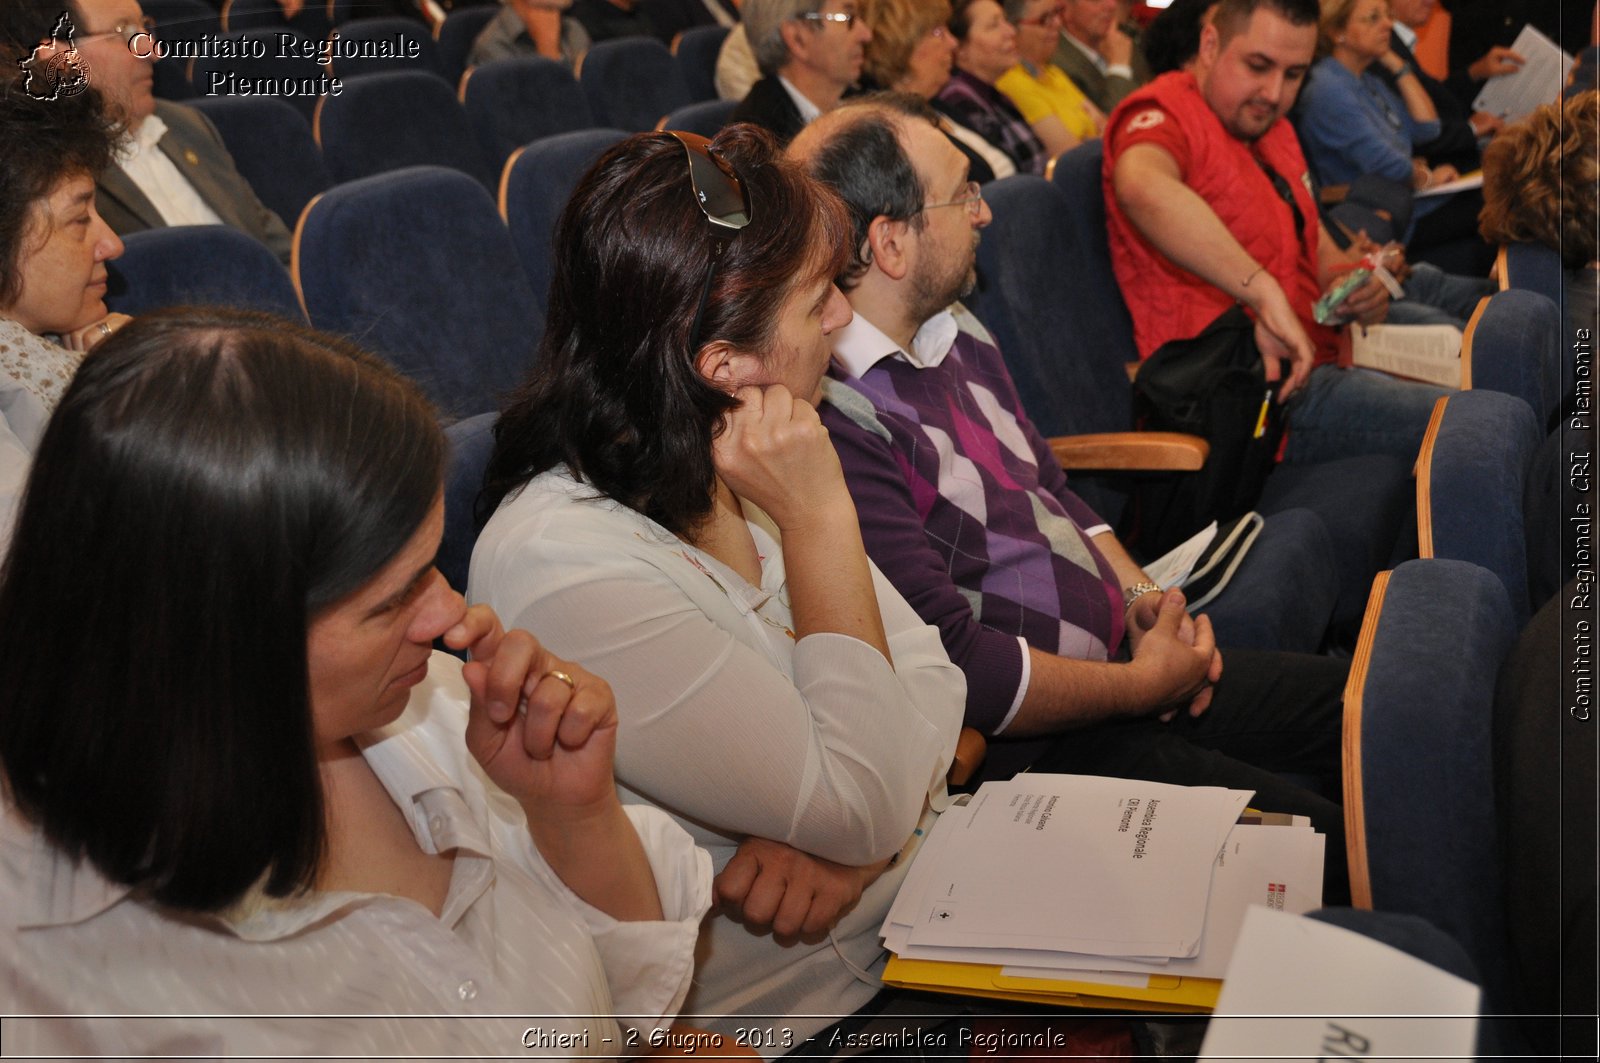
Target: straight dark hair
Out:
[615,394]
[210,482]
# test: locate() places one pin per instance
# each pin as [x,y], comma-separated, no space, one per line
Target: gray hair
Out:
[1014,9]
[763,26]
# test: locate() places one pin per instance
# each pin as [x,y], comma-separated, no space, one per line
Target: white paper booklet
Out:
[1538,82]
[1430,353]
[1301,989]
[1070,863]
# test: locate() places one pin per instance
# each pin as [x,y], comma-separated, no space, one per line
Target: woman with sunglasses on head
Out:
[238,782]
[670,510]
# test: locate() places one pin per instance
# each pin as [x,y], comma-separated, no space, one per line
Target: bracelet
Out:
[1253,276]
[1137,591]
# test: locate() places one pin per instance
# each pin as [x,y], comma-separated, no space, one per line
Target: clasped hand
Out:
[1176,652]
[546,743]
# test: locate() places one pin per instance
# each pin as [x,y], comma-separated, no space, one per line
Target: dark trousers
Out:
[1272,714]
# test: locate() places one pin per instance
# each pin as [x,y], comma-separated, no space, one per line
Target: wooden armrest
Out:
[1132,369]
[1331,194]
[971,748]
[1141,451]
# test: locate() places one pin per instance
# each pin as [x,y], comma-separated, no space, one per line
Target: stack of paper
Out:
[1074,888]
[1301,989]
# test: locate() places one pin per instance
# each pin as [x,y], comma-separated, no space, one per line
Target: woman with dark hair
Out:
[670,509]
[986,48]
[238,780]
[53,250]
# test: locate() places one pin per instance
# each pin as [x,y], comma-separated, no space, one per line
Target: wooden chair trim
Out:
[1355,811]
[1139,451]
[1132,369]
[1466,342]
[461,87]
[501,197]
[1050,167]
[1424,477]
[677,38]
[1331,195]
[316,121]
[971,748]
[294,253]
[1502,268]
[577,66]
[661,123]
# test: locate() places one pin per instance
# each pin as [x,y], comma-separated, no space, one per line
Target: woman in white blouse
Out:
[238,779]
[671,511]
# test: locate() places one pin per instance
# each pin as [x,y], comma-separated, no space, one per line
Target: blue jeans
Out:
[1340,413]
[1434,297]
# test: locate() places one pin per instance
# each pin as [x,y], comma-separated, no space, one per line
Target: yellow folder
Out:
[1163,992]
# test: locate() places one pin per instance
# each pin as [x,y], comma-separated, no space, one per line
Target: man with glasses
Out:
[1098,55]
[964,509]
[809,53]
[173,168]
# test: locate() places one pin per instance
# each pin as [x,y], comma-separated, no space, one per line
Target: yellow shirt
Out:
[1051,93]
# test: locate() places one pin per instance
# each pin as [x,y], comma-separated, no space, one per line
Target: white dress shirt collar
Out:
[809,112]
[861,345]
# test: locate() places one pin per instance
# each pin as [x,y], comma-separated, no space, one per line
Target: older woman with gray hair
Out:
[809,53]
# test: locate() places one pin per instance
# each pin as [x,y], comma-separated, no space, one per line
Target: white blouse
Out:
[731,724]
[33,374]
[515,961]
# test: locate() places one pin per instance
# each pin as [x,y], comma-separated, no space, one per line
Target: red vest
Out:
[1170,303]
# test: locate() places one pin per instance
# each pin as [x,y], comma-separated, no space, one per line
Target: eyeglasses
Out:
[127,29]
[972,199]
[1049,18]
[722,198]
[844,18]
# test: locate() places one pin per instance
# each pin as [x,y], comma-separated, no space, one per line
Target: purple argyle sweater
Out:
[965,510]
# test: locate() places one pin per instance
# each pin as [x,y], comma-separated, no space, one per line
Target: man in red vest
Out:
[1209,206]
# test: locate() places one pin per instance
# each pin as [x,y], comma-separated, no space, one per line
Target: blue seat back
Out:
[631,82]
[199,265]
[458,33]
[1419,789]
[471,442]
[510,102]
[394,119]
[295,73]
[1532,268]
[538,181]
[179,21]
[272,146]
[706,117]
[697,49]
[417,266]
[396,38]
[1514,345]
[1029,262]
[1471,483]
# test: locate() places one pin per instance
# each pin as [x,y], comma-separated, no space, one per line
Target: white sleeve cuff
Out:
[1022,687]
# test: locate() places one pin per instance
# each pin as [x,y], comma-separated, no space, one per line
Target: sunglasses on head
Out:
[722,198]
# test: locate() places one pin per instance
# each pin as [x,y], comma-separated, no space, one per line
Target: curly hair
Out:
[897,26]
[46,141]
[615,394]
[1539,179]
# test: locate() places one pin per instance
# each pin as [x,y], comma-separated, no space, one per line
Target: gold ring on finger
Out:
[556,673]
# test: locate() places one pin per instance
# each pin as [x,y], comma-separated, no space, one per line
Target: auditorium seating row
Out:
[423,266]
[629,83]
